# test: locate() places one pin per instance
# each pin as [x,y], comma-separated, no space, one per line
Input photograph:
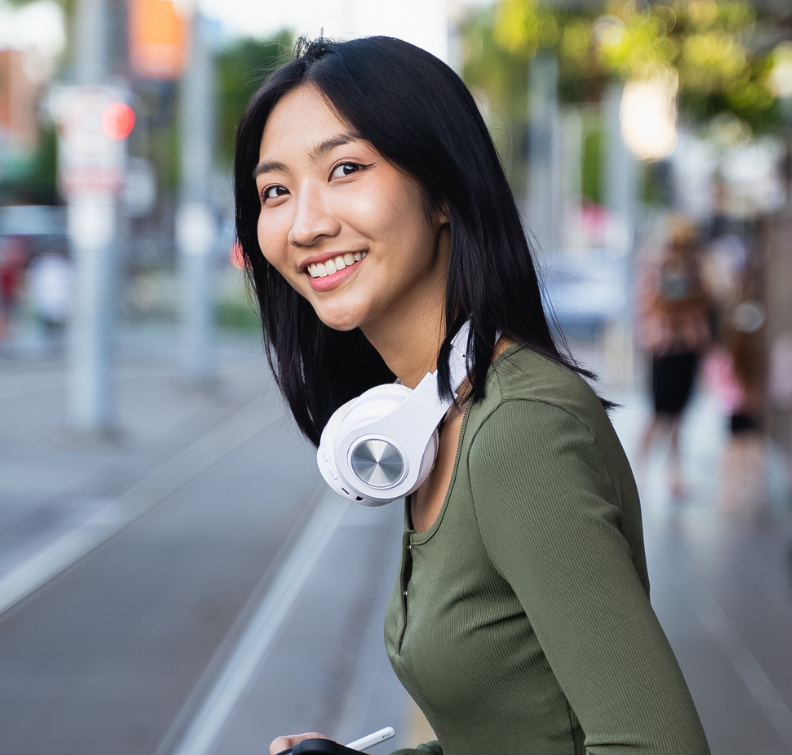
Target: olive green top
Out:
[520,622]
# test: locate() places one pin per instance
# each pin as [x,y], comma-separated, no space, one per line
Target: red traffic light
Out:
[118,120]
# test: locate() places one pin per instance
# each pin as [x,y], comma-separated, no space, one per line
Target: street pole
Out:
[90,42]
[195,220]
[571,188]
[92,228]
[620,175]
[543,159]
[619,190]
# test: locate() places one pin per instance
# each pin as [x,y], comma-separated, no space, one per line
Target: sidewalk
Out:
[721,584]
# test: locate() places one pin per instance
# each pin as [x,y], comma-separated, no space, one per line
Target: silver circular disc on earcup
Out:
[377,463]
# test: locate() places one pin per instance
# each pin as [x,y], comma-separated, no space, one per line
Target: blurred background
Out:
[174,577]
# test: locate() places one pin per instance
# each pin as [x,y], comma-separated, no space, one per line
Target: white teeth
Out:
[328,267]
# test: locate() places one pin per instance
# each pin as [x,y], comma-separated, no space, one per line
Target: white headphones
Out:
[382,445]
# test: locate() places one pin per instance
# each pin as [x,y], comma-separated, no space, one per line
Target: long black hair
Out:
[416,112]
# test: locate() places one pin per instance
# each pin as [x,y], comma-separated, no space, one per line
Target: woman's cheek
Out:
[267,251]
[268,243]
[366,210]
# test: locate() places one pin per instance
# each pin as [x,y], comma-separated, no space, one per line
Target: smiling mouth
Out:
[328,267]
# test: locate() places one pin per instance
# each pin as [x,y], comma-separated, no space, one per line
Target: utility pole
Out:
[620,174]
[92,225]
[195,219]
[543,145]
[619,190]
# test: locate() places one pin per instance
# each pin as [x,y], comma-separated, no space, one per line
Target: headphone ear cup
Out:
[325,454]
[368,407]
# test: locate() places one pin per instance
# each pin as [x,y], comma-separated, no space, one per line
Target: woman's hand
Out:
[283,743]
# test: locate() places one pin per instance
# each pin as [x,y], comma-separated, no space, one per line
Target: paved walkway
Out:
[722,583]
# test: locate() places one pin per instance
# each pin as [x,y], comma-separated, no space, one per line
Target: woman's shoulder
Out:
[542,415]
[521,374]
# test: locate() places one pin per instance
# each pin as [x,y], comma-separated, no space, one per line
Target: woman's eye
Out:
[273,192]
[346,169]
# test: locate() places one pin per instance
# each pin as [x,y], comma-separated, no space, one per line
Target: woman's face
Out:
[347,229]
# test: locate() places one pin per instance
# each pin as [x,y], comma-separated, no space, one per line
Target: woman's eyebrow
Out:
[321,149]
[330,144]
[268,166]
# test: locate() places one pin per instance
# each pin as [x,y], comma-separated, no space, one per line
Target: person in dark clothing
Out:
[675,333]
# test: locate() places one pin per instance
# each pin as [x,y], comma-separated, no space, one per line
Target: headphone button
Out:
[377,463]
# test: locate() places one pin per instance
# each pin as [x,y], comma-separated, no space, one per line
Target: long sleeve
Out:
[550,521]
[428,748]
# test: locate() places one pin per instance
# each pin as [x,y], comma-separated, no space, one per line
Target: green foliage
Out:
[241,69]
[707,45]
[35,180]
[157,120]
[593,146]
[237,315]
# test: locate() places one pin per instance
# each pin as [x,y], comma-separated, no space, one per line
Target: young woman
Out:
[375,220]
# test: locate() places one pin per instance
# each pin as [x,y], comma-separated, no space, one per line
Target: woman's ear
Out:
[442,214]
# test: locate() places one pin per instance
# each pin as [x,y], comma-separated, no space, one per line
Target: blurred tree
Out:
[241,68]
[716,48]
[725,55]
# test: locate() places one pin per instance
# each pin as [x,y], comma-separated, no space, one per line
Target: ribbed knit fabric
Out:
[520,622]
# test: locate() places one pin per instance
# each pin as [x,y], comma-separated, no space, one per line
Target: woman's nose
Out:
[312,220]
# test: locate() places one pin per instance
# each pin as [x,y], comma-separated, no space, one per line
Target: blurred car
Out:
[40,228]
[586,289]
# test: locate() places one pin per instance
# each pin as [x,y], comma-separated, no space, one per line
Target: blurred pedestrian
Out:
[50,286]
[737,373]
[675,333]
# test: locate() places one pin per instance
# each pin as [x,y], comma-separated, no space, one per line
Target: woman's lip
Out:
[329,282]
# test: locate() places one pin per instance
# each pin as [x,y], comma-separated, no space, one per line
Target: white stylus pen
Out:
[372,739]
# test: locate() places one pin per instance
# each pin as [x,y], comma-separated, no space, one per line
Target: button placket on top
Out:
[406,572]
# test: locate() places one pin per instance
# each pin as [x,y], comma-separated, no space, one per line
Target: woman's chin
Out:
[340,321]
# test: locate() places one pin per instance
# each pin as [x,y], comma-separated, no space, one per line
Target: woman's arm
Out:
[550,521]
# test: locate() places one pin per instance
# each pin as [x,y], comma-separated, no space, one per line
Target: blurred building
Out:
[18,100]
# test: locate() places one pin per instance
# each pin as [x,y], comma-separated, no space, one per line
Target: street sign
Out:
[93,123]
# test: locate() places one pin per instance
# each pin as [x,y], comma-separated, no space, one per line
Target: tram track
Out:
[145,496]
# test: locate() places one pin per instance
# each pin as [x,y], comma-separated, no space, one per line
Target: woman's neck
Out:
[409,345]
